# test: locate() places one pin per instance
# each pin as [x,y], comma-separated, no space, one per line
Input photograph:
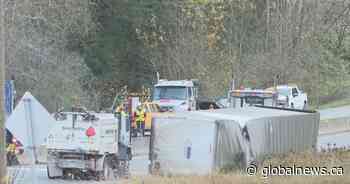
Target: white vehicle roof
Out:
[185,83]
[100,116]
[286,86]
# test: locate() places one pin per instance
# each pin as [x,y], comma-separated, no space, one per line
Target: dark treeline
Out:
[124,42]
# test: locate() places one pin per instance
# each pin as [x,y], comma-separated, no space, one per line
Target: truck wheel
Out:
[48,173]
[292,105]
[109,173]
[123,169]
[106,174]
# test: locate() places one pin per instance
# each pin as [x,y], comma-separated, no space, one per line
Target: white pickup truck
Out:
[290,96]
[89,146]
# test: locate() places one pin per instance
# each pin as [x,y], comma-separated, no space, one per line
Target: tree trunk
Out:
[3,172]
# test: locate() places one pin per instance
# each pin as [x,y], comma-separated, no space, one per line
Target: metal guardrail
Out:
[287,109]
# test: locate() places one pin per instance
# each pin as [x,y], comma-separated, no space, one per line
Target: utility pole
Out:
[3,172]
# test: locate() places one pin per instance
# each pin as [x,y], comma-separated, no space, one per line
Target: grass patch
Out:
[333,104]
[240,179]
[333,159]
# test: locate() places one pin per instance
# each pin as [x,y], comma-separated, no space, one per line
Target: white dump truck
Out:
[89,146]
[179,95]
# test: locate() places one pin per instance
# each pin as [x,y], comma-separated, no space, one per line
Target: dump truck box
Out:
[203,142]
[89,145]
[66,137]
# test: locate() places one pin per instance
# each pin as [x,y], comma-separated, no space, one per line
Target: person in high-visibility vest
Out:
[11,154]
[120,110]
[140,119]
[11,148]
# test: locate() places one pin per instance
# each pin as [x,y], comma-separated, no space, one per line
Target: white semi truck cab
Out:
[178,95]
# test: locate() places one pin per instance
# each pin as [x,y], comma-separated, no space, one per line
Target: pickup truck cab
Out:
[290,96]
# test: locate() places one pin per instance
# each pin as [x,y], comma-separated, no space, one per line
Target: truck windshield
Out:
[283,91]
[170,92]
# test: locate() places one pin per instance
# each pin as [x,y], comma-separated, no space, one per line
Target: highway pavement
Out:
[38,175]
[139,164]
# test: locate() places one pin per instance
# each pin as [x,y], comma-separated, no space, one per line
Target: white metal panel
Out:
[64,137]
[30,122]
[184,148]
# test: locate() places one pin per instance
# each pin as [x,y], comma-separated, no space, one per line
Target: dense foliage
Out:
[125,42]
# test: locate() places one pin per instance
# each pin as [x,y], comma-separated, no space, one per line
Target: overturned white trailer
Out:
[202,142]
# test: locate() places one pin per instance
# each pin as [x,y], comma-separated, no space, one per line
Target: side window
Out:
[294,91]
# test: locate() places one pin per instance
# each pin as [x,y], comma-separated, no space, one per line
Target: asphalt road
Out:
[139,164]
[339,140]
[336,140]
[38,175]
[25,175]
[333,113]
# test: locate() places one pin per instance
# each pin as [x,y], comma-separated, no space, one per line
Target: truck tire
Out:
[123,169]
[107,174]
[292,105]
[110,173]
[48,173]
